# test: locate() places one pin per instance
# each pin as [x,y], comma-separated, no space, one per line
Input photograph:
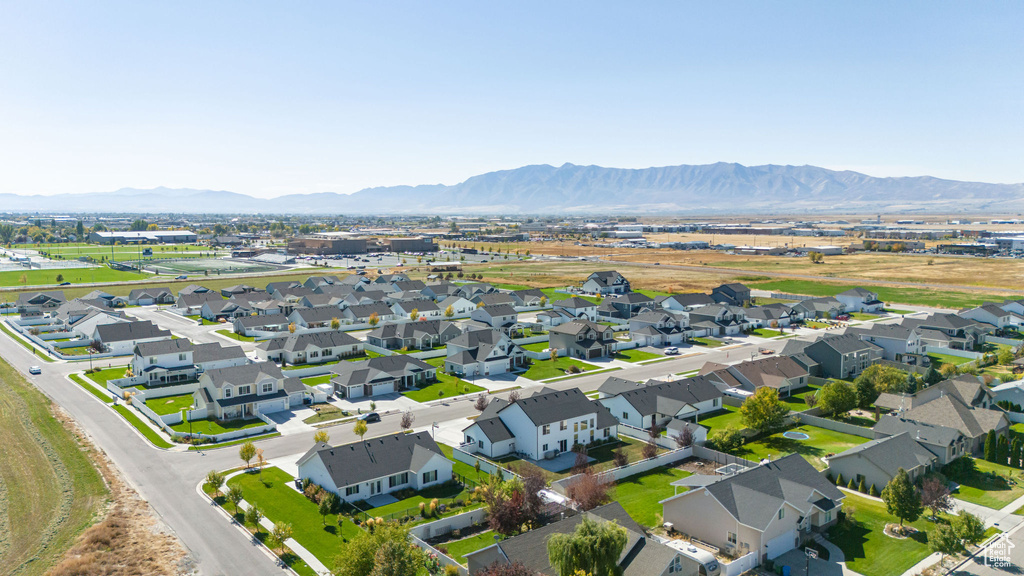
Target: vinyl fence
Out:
[446,525]
[485,465]
[1006,341]
[629,470]
[444,559]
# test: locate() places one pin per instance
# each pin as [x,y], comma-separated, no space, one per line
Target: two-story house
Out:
[720,318]
[624,306]
[179,360]
[483,353]
[460,307]
[661,328]
[577,307]
[990,314]
[860,300]
[582,339]
[733,294]
[896,341]
[606,282]
[834,356]
[247,390]
[501,317]
[540,426]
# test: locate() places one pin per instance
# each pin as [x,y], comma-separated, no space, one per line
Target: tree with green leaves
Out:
[593,547]
[901,498]
[944,540]
[1015,453]
[1002,450]
[764,411]
[837,398]
[282,532]
[326,506]
[968,527]
[359,557]
[990,446]
[932,376]
[866,392]
[247,452]
[725,439]
[449,311]
[234,496]
[253,515]
[215,480]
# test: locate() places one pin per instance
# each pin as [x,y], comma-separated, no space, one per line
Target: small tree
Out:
[620,457]
[968,527]
[1002,450]
[326,506]
[726,439]
[291,328]
[990,446]
[60,278]
[414,314]
[932,376]
[553,354]
[335,323]
[811,399]
[592,548]
[935,496]
[282,532]
[901,499]
[374,319]
[234,496]
[650,449]
[837,398]
[253,516]
[449,311]
[764,411]
[944,540]
[1015,453]
[861,487]
[260,461]
[321,437]
[407,419]
[360,428]
[685,438]
[247,452]
[215,480]
[514,396]
[588,490]
[481,402]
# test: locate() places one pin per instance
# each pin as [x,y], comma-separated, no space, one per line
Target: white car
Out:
[35,370]
[671,350]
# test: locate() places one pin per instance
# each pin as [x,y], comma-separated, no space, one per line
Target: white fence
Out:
[641,434]
[629,470]
[446,525]
[444,559]
[119,386]
[953,352]
[1005,341]
[834,425]
[485,465]
[740,565]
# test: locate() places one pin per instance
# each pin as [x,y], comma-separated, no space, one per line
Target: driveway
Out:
[290,421]
[797,561]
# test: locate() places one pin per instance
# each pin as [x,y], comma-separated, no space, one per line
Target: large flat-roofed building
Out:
[143,237]
[327,245]
[410,244]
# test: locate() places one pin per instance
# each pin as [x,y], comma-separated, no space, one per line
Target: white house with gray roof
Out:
[419,335]
[309,347]
[860,300]
[246,391]
[179,360]
[120,338]
[876,462]
[368,468]
[606,282]
[381,375]
[483,353]
[659,402]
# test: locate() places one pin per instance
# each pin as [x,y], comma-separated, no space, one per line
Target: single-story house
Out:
[309,347]
[121,338]
[380,375]
[877,461]
[483,353]
[150,296]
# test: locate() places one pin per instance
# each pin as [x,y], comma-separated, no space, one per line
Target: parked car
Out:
[64,284]
[369,417]
[35,370]
[181,277]
[671,350]
[843,317]
[767,351]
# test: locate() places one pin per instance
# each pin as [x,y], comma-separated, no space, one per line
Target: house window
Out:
[152,359]
[592,423]
[544,448]
[731,538]
[314,354]
[606,431]
[714,402]
[676,567]
[326,352]
[546,429]
[243,390]
[563,425]
[828,516]
[782,513]
[227,392]
[350,490]
[181,357]
[575,426]
[398,479]
[430,476]
[583,425]
[625,415]
[268,387]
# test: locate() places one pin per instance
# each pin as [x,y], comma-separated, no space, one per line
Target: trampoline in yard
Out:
[794,435]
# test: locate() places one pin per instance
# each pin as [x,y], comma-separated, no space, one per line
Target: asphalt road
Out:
[167,480]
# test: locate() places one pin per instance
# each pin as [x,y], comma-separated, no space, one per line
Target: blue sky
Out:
[269,98]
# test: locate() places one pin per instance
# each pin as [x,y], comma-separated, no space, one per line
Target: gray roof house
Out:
[380,375]
[122,337]
[877,461]
[29,302]
[577,307]
[834,356]
[950,411]
[148,296]
[826,307]
[734,294]
[247,390]
[483,353]
[419,335]
[860,300]
[684,302]
[606,282]
[310,347]
[582,339]
[658,402]
[946,443]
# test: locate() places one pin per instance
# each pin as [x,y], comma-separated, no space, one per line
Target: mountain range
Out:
[571,189]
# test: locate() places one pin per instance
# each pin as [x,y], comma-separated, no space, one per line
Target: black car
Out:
[64,284]
[369,417]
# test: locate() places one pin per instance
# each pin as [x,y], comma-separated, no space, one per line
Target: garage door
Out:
[781,544]
[275,406]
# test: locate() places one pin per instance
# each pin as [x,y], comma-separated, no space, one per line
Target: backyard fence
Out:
[446,525]
[629,470]
[444,559]
[720,458]
[486,466]
[834,425]
[409,514]
[1005,341]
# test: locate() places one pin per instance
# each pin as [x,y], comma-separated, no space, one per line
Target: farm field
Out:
[912,296]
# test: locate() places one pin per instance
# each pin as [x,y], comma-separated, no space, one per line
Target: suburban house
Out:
[1012,392]
[422,308]
[834,356]
[553,317]
[108,299]
[658,402]
[85,326]
[625,306]
[218,308]
[191,304]
[483,353]
[780,372]
[179,360]
[473,289]
[766,509]
[381,375]
[947,444]
[896,341]
[309,347]
[494,299]
[950,411]
[582,339]
[860,300]
[237,289]
[122,337]
[684,302]
[723,318]
[577,308]
[150,296]
[990,314]
[734,294]
[460,306]
[662,328]
[361,313]
[966,388]
[315,282]
[390,278]
[608,282]
[946,331]
[247,390]
[641,556]
[876,462]
[498,316]
[540,426]
[250,325]
[193,289]
[529,297]
[771,316]
[364,469]
[420,335]
[826,307]
[319,317]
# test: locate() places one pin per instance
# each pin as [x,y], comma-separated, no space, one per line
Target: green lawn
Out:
[815,324]
[635,355]
[139,425]
[410,506]
[461,468]
[940,359]
[445,387]
[536,346]
[169,404]
[866,547]
[235,442]
[863,316]
[91,389]
[315,380]
[458,549]
[75,351]
[984,489]
[234,336]
[73,275]
[913,296]
[898,311]
[544,369]
[796,401]
[281,503]
[821,443]
[709,342]
[724,418]
[101,377]
[211,427]
[765,332]
[640,494]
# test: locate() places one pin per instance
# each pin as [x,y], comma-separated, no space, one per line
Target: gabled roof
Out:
[242,375]
[213,352]
[934,434]
[859,292]
[498,310]
[891,453]
[605,278]
[124,331]
[357,462]
[613,386]
[379,369]
[367,310]
[172,346]
[546,407]
[306,340]
[496,298]
[411,329]
[669,397]
[318,314]
[261,320]
[691,299]
[155,292]
[951,411]
[574,303]
[577,326]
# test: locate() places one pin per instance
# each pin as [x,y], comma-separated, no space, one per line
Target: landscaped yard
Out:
[536,346]
[866,547]
[544,369]
[141,426]
[940,359]
[863,316]
[765,332]
[324,413]
[457,549]
[445,387]
[640,494]
[898,311]
[76,351]
[603,459]
[461,468]
[101,377]
[234,336]
[821,443]
[815,324]
[635,355]
[281,503]
[985,489]
[169,404]
[315,380]
[210,427]
[709,342]
[796,401]
[724,418]
[410,506]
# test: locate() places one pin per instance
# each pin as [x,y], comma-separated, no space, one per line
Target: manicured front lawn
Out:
[640,494]
[984,490]
[445,387]
[863,316]
[544,369]
[169,404]
[326,412]
[101,377]
[281,503]
[139,425]
[709,342]
[815,324]
[940,359]
[765,332]
[410,506]
[210,427]
[75,351]
[635,355]
[458,549]
[821,443]
[234,336]
[898,311]
[866,547]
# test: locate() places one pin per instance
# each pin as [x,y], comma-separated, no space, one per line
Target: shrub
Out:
[850,484]
[839,480]
[874,491]
[860,486]
[450,570]
[962,467]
